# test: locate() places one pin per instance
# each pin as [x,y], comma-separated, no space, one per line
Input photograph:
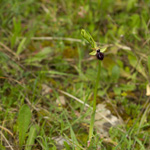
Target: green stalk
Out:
[94,104]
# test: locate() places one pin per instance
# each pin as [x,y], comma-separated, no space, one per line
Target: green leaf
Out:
[31,137]
[16,31]
[21,46]
[93,53]
[117,90]
[127,87]
[67,146]
[43,54]
[137,65]
[23,122]
[2,147]
[73,136]
[115,73]
[88,37]
[140,143]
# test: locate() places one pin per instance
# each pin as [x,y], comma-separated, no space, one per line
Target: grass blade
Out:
[31,137]
[21,46]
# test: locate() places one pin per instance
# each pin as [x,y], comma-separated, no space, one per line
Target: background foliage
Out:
[42,55]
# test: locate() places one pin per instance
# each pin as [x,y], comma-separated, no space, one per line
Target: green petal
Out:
[103,49]
[93,53]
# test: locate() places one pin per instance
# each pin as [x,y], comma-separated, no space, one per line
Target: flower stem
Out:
[94,104]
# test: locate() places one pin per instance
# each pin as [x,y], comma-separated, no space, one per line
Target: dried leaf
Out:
[148,90]
[61,101]
[46,89]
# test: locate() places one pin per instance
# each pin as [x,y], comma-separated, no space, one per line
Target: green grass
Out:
[35,73]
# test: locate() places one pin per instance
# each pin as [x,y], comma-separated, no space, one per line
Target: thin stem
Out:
[94,104]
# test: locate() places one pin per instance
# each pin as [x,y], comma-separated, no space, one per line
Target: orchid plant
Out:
[99,53]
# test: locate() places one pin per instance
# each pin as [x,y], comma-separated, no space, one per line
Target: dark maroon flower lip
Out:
[99,55]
